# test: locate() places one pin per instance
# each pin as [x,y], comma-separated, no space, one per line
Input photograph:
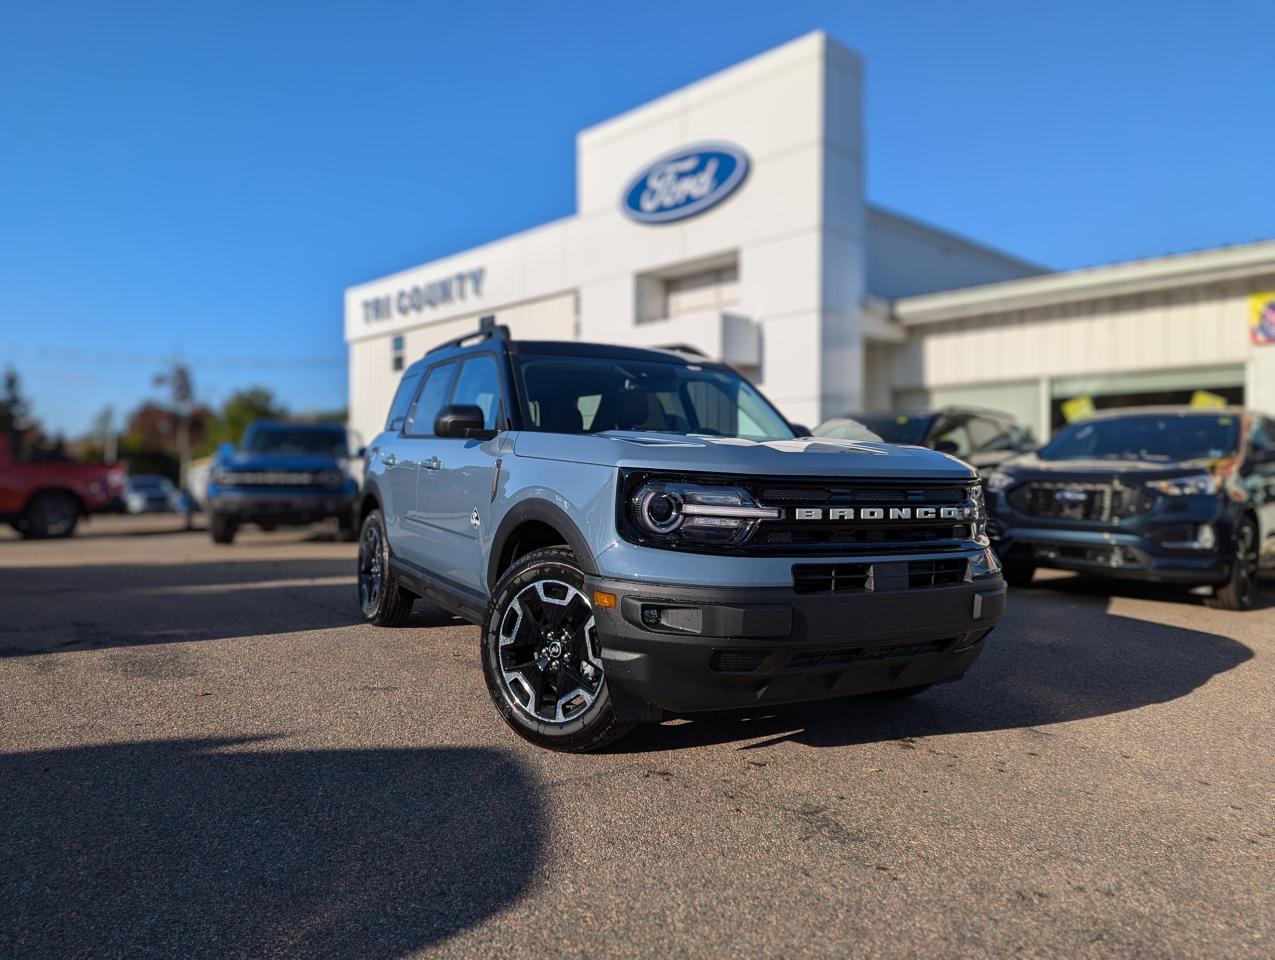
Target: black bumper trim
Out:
[811,647]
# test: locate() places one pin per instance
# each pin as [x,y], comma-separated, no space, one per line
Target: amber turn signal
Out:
[606,600]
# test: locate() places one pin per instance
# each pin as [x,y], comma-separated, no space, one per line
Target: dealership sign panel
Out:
[684,183]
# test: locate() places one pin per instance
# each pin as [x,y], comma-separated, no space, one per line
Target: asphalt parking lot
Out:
[204,753]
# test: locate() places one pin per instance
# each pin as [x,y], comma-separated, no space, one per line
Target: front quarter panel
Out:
[581,495]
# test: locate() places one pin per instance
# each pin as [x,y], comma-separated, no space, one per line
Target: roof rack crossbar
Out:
[488,331]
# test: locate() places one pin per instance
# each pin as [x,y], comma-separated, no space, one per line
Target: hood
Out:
[243,460]
[808,456]
[1031,464]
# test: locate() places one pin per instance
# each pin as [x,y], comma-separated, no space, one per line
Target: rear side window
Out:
[402,402]
[438,387]
[479,384]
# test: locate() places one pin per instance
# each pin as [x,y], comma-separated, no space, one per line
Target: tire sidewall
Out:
[377,520]
[574,732]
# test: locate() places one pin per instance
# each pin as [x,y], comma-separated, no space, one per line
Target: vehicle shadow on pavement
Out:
[1063,657]
[234,849]
[54,609]
[1096,586]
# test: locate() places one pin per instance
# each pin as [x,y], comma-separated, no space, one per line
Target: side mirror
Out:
[800,429]
[462,421]
[946,446]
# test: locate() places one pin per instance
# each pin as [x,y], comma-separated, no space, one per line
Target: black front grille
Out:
[274,478]
[737,661]
[804,493]
[856,534]
[944,572]
[880,576]
[804,660]
[1075,500]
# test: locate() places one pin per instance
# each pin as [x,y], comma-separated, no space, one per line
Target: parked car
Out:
[982,438]
[283,474]
[1171,494]
[47,498]
[151,493]
[639,531]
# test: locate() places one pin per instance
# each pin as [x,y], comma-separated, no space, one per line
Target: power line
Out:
[82,355]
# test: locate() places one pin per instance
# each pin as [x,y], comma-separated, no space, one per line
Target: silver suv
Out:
[639,532]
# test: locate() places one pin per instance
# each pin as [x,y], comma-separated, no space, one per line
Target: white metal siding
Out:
[1190,327]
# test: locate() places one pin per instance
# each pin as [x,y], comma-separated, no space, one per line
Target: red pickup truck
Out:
[47,498]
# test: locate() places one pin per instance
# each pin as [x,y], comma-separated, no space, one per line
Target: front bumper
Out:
[722,648]
[1126,556]
[282,506]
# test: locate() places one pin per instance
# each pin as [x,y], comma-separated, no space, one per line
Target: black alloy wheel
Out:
[542,658]
[383,602]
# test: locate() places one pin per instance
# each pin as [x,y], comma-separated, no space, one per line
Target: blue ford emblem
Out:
[682,184]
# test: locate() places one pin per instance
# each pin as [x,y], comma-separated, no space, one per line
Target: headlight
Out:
[1188,486]
[331,478]
[999,480]
[673,513]
[222,477]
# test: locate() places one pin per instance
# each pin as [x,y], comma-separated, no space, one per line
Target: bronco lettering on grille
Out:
[884,513]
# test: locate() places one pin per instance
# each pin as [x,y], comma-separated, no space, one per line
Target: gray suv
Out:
[639,532]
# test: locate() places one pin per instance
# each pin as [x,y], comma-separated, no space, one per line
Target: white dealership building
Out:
[730,217]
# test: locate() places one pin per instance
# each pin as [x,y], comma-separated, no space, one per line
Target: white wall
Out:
[906,257]
[795,227]
[1203,325]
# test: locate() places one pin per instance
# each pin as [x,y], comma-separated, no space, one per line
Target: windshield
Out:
[329,442]
[899,429]
[1159,438]
[593,394]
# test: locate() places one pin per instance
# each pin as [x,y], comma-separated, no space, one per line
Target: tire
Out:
[50,515]
[222,528]
[541,658]
[1240,590]
[383,602]
[1018,574]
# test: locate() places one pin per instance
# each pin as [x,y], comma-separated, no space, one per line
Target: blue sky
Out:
[204,180]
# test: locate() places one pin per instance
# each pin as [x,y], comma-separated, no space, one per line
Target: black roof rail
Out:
[488,330]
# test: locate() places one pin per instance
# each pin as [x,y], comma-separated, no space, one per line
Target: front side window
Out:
[1158,438]
[438,387]
[479,385]
[597,394]
[402,401]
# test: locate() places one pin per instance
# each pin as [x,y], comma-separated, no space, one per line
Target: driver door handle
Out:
[389,459]
[433,463]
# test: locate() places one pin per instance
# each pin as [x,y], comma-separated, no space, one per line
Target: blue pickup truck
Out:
[283,474]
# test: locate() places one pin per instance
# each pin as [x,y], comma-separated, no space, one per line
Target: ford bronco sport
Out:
[639,531]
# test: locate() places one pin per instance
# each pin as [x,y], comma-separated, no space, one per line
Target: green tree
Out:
[239,410]
[16,421]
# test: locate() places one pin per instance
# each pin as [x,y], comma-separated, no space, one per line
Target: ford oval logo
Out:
[682,184]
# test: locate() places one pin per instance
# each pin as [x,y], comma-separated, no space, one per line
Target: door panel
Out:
[454,487]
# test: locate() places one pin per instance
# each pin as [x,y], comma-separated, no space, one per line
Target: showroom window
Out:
[396,353]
